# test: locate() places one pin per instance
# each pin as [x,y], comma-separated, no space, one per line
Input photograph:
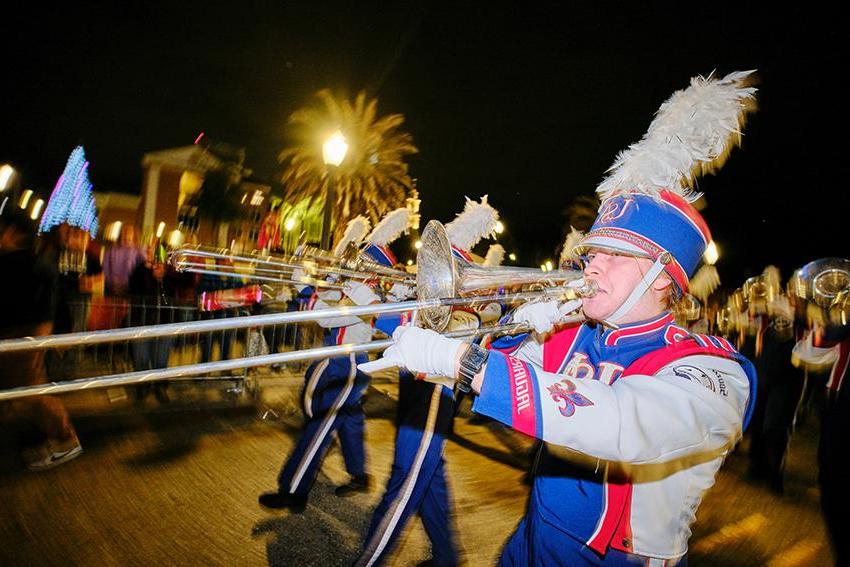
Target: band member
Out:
[637,413]
[333,387]
[425,413]
[825,348]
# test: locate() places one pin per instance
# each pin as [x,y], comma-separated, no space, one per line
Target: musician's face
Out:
[616,275]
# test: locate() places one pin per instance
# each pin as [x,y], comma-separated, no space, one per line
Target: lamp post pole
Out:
[330,197]
[333,152]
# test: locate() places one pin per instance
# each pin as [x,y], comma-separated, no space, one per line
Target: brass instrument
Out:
[442,282]
[825,285]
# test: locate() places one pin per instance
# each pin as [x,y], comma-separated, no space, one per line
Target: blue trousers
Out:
[332,394]
[417,482]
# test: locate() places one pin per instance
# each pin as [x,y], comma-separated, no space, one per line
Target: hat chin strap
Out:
[642,286]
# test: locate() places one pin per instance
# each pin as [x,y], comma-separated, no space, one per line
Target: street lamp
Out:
[6,173]
[333,152]
[711,254]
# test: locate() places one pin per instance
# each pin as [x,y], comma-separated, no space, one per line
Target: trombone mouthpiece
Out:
[588,289]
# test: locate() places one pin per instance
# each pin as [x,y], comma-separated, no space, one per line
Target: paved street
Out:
[178,485]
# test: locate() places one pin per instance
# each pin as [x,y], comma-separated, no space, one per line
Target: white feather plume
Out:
[495,256]
[692,134]
[704,282]
[390,227]
[573,238]
[355,230]
[475,222]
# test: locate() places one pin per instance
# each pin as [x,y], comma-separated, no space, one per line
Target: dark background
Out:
[528,104]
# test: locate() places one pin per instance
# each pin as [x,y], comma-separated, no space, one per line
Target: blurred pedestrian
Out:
[27,295]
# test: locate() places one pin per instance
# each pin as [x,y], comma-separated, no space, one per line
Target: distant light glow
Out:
[711,254]
[175,239]
[160,229]
[289,224]
[334,149]
[25,199]
[549,265]
[113,231]
[512,256]
[257,198]
[543,267]
[417,244]
[36,209]
[6,172]
[500,228]
[410,262]
[198,139]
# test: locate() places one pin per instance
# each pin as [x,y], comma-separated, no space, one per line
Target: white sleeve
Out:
[333,322]
[693,405]
[806,354]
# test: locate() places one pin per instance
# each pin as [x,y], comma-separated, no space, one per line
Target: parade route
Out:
[178,485]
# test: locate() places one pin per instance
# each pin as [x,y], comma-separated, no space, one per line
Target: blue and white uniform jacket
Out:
[636,421]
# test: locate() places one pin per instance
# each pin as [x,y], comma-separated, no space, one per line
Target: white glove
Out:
[544,315]
[360,293]
[400,292]
[420,351]
[299,276]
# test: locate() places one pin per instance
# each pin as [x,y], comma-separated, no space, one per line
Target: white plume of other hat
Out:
[692,134]
[475,222]
[495,256]
[570,242]
[390,227]
[355,231]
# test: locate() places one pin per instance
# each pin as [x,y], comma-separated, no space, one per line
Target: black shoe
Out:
[355,485]
[279,501]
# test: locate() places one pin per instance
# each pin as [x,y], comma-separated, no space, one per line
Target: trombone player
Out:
[636,413]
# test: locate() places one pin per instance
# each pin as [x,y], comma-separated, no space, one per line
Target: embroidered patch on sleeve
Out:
[565,391]
[712,379]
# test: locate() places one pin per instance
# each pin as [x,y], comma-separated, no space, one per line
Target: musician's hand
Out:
[359,293]
[420,351]
[544,315]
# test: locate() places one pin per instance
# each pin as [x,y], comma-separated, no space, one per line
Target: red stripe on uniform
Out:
[839,369]
[617,499]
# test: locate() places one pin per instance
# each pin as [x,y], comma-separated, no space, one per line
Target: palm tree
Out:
[373,178]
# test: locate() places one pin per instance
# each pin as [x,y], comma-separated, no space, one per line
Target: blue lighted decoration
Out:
[72,200]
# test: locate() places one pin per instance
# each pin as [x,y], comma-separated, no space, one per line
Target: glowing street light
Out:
[512,257]
[25,199]
[6,173]
[289,224]
[417,244]
[334,149]
[711,254]
[36,209]
[333,153]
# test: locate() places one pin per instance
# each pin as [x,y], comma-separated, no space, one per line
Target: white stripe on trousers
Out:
[394,512]
[311,386]
[324,429]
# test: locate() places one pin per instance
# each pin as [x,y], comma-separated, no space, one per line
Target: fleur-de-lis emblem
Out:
[565,391]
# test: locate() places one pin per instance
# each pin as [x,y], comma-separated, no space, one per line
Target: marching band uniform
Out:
[637,419]
[333,391]
[425,415]
[830,348]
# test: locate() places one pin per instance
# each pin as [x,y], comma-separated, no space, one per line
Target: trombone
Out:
[442,282]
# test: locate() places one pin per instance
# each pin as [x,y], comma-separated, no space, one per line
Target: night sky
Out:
[527,104]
